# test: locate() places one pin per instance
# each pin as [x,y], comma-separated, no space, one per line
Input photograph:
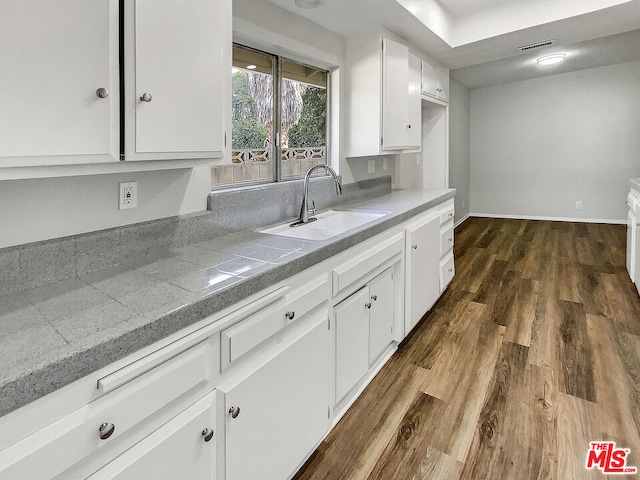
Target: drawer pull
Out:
[374,297]
[290,315]
[234,411]
[146,97]
[451,270]
[368,304]
[450,215]
[415,247]
[106,430]
[207,434]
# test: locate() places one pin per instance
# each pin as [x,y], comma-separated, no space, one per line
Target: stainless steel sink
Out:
[327,224]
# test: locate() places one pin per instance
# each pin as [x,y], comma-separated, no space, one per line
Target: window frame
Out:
[276,147]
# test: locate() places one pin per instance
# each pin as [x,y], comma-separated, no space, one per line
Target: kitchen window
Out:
[279,117]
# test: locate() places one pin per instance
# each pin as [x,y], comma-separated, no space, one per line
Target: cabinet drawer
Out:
[446,240]
[247,334]
[355,269]
[305,299]
[250,332]
[74,437]
[446,215]
[447,271]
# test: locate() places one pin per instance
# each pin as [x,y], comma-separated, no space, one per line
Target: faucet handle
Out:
[312,210]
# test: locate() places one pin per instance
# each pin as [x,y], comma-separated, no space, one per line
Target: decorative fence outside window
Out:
[254,165]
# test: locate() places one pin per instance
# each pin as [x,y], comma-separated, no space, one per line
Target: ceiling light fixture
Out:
[251,67]
[551,59]
[309,3]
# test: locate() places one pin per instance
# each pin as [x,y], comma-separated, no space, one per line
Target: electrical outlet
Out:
[385,163]
[372,166]
[579,205]
[128,197]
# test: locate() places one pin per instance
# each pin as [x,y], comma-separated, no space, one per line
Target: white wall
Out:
[540,145]
[460,146]
[40,209]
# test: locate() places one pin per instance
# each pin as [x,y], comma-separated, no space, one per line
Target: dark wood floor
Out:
[532,352]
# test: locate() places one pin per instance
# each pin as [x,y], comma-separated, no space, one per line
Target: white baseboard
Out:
[552,219]
[462,220]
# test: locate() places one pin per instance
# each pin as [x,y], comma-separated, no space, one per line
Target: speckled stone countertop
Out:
[55,334]
[635,183]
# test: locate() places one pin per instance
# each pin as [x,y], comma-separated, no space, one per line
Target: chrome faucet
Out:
[304,210]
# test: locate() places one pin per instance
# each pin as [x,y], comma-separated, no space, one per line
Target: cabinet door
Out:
[636,253]
[415,103]
[179,449]
[352,341]
[281,408]
[395,95]
[443,80]
[176,57]
[55,56]
[631,237]
[381,296]
[423,268]
[430,81]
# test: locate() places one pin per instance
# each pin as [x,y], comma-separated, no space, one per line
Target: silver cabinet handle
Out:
[368,304]
[451,270]
[106,430]
[451,215]
[451,239]
[234,411]
[102,92]
[290,315]
[207,434]
[146,97]
[409,126]
[374,297]
[415,247]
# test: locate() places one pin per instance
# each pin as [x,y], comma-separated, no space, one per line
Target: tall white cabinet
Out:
[59,92]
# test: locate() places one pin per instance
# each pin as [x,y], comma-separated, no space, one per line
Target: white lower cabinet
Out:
[276,411]
[381,297]
[364,328]
[183,448]
[422,267]
[352,341]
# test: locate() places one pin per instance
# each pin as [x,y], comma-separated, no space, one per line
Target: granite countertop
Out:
[635,183]
[53,335]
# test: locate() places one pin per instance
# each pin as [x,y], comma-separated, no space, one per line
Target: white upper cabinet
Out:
[383,111]
[395,95]
[60,85]
[435,81]
[177,77]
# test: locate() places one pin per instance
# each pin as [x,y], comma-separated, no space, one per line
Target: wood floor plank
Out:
[522,312]
[576,352]
[408,451]
[493,452]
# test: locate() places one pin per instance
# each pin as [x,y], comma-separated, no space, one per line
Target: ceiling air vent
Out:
[546,43]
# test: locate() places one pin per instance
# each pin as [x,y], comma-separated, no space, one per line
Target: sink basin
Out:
[328,224]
